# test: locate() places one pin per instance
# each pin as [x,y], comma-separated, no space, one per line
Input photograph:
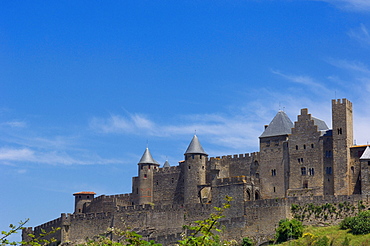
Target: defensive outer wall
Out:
[163,224]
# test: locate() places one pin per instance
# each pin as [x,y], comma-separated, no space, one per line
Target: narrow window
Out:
[88,197]
[137,190]
[328,170]
[200,156]
[302,160]
[192,156]
[303,170]
[189,166]
[203,167]
[353,169]
[274,189]
[148,166]
[144,176]
[368,163]
[296,147]
[172,180]
[299,160]
[312,146]
[304,146]
[79,210]
[305,184]
[157,182]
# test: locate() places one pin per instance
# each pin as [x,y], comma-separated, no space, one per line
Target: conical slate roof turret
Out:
[280,125]
[195,147]
[166,164]
[147,158]
[366,154]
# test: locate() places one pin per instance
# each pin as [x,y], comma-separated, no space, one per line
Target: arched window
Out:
[256,195]
[248,195]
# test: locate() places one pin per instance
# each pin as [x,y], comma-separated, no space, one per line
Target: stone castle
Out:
[298,163]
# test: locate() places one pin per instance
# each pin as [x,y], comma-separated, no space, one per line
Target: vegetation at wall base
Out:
[313,236]
[358,225]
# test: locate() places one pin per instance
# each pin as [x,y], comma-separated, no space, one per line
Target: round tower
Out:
[82,198]
[147,166]
[194,168]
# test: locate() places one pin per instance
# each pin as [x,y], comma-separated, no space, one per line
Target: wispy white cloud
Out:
[352,5]
[308,81]
[26,155]
[15,123]
[361,34]
[351,66]
[117,123]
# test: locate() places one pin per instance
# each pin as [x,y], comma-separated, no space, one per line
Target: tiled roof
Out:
[195,147]
[280,125]
[85,193]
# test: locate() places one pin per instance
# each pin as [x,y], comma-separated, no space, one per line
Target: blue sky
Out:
[86,85]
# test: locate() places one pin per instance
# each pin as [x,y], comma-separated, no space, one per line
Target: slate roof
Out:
[280,125]
[321,125]
[366,154]
[147,158]
[195,147]
[166,164]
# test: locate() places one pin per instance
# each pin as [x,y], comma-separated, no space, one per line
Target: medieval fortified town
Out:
[298,163]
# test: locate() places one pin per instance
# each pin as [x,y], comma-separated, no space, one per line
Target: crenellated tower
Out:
[147,166]
[194,168]
[342,141]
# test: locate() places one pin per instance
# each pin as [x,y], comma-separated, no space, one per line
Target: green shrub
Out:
[288,229]
[247,242]
[359,224]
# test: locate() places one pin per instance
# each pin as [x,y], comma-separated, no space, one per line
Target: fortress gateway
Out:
[300,163]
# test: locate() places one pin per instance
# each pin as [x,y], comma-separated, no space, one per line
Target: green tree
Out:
[35,240]
[206,232]
[288,230]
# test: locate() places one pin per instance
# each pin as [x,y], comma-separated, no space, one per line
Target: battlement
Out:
[53,223]
[82,216]
[343,101]
[236,157]
[119,196]
[171,169]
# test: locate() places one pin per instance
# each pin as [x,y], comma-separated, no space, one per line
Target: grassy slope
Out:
[332,232]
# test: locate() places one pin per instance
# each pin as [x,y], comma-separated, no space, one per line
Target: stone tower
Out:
[147,166]
[274,171]
[194,169]
[82,198]
[342,121]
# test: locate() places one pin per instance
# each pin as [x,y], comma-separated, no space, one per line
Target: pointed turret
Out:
[166,164]
[194,171]
[147,158]
[195,147]
[147,167]
[366,154]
